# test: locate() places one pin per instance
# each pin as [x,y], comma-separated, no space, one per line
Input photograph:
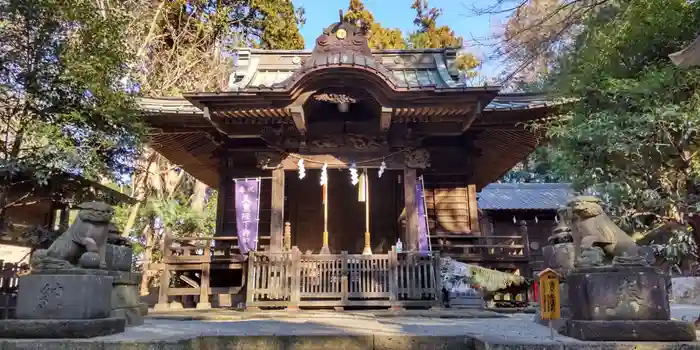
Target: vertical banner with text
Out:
[550,299]
[423,241]
[247,201]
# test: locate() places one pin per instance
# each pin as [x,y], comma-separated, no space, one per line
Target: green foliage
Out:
[633,134]
[540,166]
[428,34]
[278,22]
[378,37]
[63,105]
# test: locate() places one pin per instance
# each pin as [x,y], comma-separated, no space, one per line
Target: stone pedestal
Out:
[63,304]
[622,303]
[125,299]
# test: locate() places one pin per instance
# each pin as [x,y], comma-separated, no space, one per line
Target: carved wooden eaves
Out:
[299,119]
[473,114]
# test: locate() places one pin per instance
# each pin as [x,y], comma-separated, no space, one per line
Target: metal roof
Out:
[525,196]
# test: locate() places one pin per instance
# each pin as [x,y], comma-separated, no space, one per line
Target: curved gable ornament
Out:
[342,45]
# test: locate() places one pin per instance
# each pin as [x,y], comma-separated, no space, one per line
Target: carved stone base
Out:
[64,297]
[38,329]
[666,331]
[618,293]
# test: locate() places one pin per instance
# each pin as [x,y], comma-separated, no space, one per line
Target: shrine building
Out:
[337,141]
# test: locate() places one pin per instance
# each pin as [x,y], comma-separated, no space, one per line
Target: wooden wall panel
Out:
[451,209]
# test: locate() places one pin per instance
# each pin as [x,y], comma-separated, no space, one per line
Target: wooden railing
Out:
[9,282]
[292,279]
[482,248]
[486,248]
[192,260]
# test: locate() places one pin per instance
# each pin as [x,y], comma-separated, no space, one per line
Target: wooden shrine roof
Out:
[286,87]
[180,132]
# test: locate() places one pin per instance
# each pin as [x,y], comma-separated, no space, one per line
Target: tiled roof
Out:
[528,196]
[518,101]
[502,102]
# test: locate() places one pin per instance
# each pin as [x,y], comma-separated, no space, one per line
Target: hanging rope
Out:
[307,160]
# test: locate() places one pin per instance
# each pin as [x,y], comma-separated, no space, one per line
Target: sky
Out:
[458,14]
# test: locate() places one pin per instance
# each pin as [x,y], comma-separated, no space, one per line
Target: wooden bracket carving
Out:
[268,160]
[385,119]
[299,119]
[350,141]
[417,159]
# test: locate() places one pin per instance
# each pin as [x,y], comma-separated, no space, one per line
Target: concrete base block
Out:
[126,277]
[125,296]
[670,331]
[132,315]
[43,329]
[144,309]
[64,297]
[118,257]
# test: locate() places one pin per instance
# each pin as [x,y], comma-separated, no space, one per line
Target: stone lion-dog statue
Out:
[592,227]
[82,245]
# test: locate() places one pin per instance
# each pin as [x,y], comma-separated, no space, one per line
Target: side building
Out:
[504,207]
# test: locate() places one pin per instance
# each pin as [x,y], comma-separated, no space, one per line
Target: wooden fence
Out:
[292,279]
[9,282]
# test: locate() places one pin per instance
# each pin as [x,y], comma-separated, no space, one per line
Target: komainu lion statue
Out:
[82,245]
[592,227]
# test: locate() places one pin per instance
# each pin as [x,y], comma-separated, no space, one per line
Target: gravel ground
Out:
[511,328]
[514,328]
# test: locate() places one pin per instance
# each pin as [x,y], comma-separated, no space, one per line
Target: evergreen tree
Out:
[378,36]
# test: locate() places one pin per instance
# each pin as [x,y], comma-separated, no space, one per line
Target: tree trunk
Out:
[6,188]
[140,190]
[199,196]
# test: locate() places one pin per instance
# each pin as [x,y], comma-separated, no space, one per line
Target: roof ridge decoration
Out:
[249,66]
[341,44]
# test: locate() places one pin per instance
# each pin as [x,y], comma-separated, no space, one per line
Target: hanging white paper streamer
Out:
[302,170]
[324,174]
[354,178]
[382,167]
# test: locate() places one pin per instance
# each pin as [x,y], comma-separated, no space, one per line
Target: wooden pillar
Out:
[165,275]
[204,285]
[473,209]
[410,178]
[277,217]
[224,185]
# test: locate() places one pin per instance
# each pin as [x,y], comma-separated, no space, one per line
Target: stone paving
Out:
[323,330]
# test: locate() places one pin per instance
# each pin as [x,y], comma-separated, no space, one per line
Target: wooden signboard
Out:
[550,299]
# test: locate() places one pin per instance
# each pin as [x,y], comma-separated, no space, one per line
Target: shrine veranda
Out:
[340,153]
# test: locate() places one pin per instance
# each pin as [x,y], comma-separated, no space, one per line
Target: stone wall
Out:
[685,290]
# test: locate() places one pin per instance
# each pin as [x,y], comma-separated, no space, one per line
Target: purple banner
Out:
[423,242]
[247,200]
